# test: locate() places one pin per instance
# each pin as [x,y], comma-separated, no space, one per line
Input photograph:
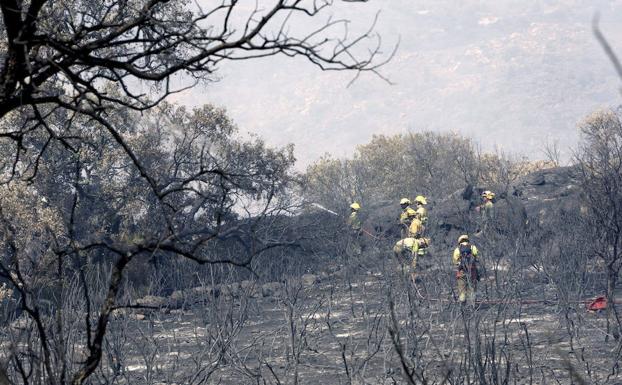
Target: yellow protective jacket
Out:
[353,221]
[422,213]
[455,259]
[414,245]
[407,215]
[416,228]
[487,210]
[405,244]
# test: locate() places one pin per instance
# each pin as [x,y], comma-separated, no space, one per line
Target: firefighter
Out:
[416,228]
[420,248]
[465,259]
[487,209]
[353,220]
[422,213]
[355,245]
[487,205]
[403,249]
[422,216]
[408,249]
[406,217]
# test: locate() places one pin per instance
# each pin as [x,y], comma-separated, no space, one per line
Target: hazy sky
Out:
[510,74]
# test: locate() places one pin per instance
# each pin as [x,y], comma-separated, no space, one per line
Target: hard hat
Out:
[355,206]
[405,201]
[488,194]
[421,199]
[463,238]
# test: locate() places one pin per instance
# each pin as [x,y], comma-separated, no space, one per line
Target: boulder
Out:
[271,289]
[381,220]
[190,297]
[249,288]
[137,316]
[309,280]
[547,192]
[153,301]
[177,299]
[231,290]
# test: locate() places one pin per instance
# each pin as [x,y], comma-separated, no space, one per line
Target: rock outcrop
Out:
[547,192]
[531,200]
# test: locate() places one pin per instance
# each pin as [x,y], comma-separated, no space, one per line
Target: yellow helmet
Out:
[463,238]
[355,206]
[404,201]
[488,194]
[421,199]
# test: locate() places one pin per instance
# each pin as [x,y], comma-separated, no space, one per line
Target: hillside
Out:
[358,318]
[341,329]
[342,314]
[507,75]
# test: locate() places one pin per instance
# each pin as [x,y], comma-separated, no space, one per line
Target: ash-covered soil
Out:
[367,324]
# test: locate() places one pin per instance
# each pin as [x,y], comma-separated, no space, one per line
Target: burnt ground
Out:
[363,324]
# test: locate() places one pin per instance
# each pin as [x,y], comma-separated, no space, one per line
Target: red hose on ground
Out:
[596,304]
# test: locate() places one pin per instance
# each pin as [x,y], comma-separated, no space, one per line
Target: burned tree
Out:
[72,76]
[90,221]
[600,164]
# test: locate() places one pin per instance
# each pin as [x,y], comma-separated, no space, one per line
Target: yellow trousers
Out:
[467,288]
